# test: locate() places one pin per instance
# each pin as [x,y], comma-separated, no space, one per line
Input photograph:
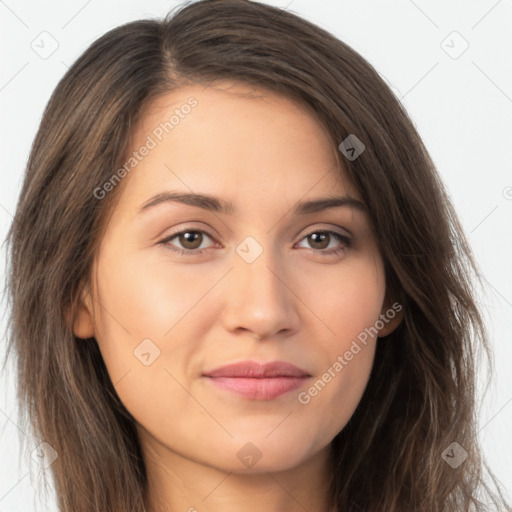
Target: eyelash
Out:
[198,252]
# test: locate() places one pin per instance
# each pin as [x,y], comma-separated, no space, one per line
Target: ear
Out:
[83,321]
[390,318]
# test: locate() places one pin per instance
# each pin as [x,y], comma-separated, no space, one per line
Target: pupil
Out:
[322,236]
[187,238]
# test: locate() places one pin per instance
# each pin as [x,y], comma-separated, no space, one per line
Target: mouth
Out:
[256,381]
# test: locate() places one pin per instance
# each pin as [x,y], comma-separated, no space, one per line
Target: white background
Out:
[461,106]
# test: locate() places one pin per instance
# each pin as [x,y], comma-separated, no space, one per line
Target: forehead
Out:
[233,140]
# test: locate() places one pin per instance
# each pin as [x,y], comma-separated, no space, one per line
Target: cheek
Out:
[149,323]
[333,396]
[142,299]
[347,299]
[349,307]
[334,393]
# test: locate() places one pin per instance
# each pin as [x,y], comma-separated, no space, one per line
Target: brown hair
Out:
[421,394]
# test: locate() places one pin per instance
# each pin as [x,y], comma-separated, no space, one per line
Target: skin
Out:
[263,153]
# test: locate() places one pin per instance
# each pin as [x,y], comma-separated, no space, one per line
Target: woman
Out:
[314,351]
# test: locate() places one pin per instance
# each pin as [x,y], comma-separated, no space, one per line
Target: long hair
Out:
[420,398]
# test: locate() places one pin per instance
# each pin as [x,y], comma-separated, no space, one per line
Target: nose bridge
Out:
[259,299]
[259,275]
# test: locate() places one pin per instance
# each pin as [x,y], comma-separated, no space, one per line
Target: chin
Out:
[262,455]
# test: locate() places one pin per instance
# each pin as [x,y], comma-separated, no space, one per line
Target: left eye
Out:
[320,236]
[191,241]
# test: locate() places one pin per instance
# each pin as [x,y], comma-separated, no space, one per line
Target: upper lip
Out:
[256,370]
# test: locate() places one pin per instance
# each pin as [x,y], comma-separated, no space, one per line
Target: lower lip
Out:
[258,388]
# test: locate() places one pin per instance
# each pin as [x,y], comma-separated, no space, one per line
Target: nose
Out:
[259,299]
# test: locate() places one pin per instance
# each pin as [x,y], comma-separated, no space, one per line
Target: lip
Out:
[258,381]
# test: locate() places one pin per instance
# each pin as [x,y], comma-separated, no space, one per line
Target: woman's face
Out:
[258,282]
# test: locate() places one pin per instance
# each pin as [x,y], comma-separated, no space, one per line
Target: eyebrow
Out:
[215,204]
